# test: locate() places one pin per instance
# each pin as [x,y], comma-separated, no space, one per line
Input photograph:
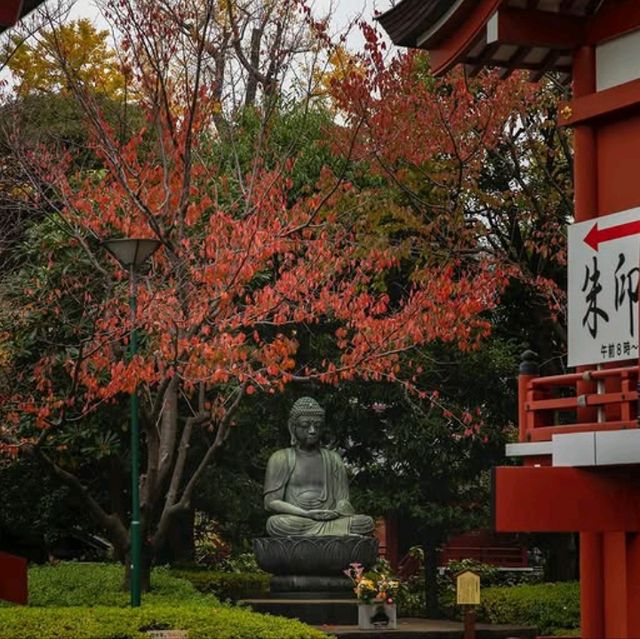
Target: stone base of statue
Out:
[308,555]
[316,586]
[307,581]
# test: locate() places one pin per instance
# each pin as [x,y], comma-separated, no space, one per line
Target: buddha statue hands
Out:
[306,486]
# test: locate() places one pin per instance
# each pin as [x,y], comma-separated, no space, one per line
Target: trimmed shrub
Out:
[202,622]
[490,577]
[227,585]
[86,601]
[86,584]
[551,607]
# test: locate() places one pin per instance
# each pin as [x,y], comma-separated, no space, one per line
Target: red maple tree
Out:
[476,169]
[248,260]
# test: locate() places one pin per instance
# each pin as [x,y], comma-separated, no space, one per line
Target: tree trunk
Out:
[178,547]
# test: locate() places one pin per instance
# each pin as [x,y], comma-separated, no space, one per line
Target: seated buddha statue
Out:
[306,486]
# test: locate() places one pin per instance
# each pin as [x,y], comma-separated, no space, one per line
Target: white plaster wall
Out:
[618,61]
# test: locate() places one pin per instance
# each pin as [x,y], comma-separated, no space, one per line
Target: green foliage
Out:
[490,576]
[551,607]
[79,584]
[210,547]
[488,572]
[29,526]
[227,585]
[410,597]
[86,601]
[244,562]
[201,620]
[231,489]
[411,601]
[295,130]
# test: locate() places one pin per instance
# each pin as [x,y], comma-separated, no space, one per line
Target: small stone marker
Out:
[468,596]
[168,634]
[467,588]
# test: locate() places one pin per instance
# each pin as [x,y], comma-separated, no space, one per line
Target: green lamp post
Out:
[132,253]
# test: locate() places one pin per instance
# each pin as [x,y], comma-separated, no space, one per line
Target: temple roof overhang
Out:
[11,11]
[537,35]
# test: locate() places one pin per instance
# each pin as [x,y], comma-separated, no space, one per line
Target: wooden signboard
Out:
[168,634]
[467,588]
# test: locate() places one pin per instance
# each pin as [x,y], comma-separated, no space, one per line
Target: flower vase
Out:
[377,616]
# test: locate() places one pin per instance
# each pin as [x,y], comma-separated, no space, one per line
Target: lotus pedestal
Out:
[307,581]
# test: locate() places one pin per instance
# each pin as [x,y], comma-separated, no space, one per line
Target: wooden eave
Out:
[12,11]
[536,35]
[410,19]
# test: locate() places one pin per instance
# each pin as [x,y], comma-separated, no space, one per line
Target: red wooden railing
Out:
[550,405]
[506,557]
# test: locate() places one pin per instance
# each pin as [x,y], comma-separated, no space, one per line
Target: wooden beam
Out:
[454,48]
[514,62]
[613,20]
[553,499]
[534,67]
[505,73]
[10,11]
[482,61]
[529,28]
[593,6]
[548,63]
[518,57]
[605,103]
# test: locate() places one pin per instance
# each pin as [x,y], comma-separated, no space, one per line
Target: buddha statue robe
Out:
[329,491]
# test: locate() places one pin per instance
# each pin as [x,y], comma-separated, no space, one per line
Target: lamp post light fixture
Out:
[132,253]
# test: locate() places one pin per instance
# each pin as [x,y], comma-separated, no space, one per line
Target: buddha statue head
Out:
[306,420]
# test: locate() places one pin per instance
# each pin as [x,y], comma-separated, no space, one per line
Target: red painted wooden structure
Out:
[584,41]
[12,10]
[484,546]
[386,533]
[13,578]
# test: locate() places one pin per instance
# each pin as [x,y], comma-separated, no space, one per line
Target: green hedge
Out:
[87,601]
[89,584]
[551,607]
[227,585]
[202,622]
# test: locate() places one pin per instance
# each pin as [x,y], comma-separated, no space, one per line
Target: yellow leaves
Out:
[341,65]
[70,53]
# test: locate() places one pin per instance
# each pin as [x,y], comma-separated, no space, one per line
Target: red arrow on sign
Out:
[596,236]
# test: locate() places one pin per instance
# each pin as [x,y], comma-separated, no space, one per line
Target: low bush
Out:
[564,632]
[551,607]
[86,601]
[227,585]
[411,597]
[80,584]
[202,622]
[490,576]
